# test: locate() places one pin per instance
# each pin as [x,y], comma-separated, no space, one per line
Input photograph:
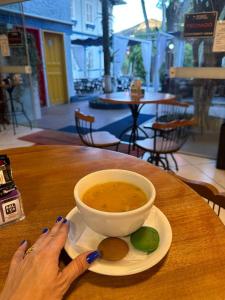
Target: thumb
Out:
[79,265]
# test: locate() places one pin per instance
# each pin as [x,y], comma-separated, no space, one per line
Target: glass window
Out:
[90,59]
[203,90]
[73,10]
[206,96]
[89,12]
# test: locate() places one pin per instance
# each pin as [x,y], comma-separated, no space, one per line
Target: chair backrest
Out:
[172,127]
[207,191]
[169,110]
[84,127]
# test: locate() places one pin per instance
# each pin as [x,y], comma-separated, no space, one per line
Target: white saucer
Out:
[81,238]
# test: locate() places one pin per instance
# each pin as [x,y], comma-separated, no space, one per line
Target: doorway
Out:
[55,68]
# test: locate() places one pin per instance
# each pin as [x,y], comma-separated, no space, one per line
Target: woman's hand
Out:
[35,274]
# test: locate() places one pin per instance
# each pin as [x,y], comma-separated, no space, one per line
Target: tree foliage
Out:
[175,10]
[134,62]
[137,62]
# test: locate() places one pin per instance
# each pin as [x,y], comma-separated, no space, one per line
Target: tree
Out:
[148,31]
[147,27]
[106,46]
[173,12]
[136,61]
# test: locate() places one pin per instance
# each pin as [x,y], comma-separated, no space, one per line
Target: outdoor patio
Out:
[192,167]
[62,116]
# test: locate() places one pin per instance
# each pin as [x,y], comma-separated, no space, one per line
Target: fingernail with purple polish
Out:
[93,256]
[45,230]
[65,221]
[59,219]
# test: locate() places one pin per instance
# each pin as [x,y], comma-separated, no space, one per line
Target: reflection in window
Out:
[89,12]
[90,60]
[223,62]
[73,10]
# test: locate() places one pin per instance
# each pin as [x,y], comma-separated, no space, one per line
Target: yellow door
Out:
[55,66]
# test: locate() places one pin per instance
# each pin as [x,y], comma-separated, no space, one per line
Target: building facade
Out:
[50,28]
[48,24]
[87,60]
[87,57]
[52,20]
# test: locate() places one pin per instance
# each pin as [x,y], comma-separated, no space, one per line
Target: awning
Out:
[88,42]
[4,2]
[99,41]
[118,2]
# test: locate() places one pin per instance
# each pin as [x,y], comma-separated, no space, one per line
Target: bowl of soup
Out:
[114,202]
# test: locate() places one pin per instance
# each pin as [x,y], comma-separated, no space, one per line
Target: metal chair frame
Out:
[84,127]
[170,131]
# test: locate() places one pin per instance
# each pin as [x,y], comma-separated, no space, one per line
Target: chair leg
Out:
[175,162]
[158,161]
[137,151]
[163,164]
[167,162]
[150,159]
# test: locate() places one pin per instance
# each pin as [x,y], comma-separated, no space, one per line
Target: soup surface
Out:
[115,197]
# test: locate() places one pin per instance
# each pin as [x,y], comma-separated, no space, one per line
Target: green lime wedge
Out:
[145,239]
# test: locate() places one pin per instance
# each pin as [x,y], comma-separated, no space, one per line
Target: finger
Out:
[48,235]
[58,241]
[19,254]
[56,227]
[40,242]
[79,265]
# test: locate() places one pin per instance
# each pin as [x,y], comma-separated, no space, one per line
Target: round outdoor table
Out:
[135,103]
[195,264]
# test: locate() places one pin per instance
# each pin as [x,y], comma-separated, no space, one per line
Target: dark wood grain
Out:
[174,124]
[195,265]
[206,190]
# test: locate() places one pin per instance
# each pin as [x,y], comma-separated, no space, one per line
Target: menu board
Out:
[219,40]
[4,45]
[15,38]
[200,24]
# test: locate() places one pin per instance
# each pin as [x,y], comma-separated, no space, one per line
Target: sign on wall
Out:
[15,38]
[200,24]
[219,40]
[4,45]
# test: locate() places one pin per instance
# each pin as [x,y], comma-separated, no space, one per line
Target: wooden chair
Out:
[207,191]
[99,139]
[168,133]
[168,110]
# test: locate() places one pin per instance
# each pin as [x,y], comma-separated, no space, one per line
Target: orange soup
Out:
[115,197]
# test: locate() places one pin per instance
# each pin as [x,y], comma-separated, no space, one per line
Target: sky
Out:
[130,14]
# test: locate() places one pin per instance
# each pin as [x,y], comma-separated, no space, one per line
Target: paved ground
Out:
[60,116]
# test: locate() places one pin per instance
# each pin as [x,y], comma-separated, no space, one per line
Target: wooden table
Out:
[194,268]
[135,103]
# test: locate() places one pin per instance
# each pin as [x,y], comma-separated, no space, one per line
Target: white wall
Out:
[78,14]
[94,55]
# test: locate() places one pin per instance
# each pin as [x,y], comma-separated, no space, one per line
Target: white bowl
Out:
[114,223]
